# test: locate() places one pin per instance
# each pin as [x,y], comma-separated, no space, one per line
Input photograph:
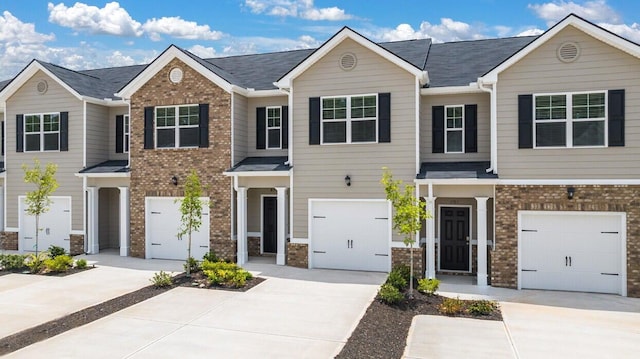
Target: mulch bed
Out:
[383,330]
[69,271]
[199,280]
[58,326]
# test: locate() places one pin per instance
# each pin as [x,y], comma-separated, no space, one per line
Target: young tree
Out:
[409,212]
[38,200]
[191,211]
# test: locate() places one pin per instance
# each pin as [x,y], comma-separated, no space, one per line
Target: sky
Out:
[94,34]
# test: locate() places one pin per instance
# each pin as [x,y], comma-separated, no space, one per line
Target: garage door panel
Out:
[55,226]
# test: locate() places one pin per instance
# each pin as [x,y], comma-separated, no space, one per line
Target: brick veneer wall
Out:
[254,246]
[9,241]
[77,244]
[403,256]
[152,169]
[298,255]
[609,198]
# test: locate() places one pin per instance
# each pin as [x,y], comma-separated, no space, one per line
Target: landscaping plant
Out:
[161,279]
[397,280]
[451,306]
[481,307]
[60,263]
[409,213]
[38,200]
[81,263]
[428,286]
[191,212]
[12,261]
[35,262]
[223,273]
[191,266]
[390,294]
[55,251]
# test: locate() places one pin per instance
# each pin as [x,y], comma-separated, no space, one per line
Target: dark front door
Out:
[269,224]
[454,238]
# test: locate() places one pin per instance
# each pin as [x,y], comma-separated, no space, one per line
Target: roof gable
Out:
[571,20]
[28,72]
[347,33]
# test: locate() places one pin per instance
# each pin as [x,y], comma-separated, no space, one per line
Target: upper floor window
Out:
[349,119]
[125,133]
[454,128]
[177,126]
[274,122]
[570,119]
[42,132]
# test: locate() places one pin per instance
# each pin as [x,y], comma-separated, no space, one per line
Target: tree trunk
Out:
[189,254]
[37,232]
[411,271]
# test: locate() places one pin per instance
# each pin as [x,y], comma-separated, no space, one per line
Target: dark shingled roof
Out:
[450,170]
[460,63]
[3,84]
[113,166]
[257,164]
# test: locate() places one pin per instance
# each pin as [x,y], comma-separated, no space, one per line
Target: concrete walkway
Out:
[295,313]
[30,300]
[537,324]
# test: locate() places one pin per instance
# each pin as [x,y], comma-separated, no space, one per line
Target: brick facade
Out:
[77,244]
[9,241]
[298,255]
[253,246]
[152,169]
[601,198]
[403,256]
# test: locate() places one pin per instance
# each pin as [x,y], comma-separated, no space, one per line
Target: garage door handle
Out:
[385,218]
[609,232]
[529,270]
[529,230]
[66,239]
[319,217]
[381,255]
[28,237]
[155,244]
[203,246]
[152,212]
[609,274]
[319,252]
[566,261]
[67,210]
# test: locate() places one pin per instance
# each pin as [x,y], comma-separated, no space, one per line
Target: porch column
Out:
[243,254]
[431,238]
[93,232]
[124,221]
[481,207]
[281,230]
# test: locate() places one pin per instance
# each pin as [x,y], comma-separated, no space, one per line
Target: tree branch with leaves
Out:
[38,200]
[191,212]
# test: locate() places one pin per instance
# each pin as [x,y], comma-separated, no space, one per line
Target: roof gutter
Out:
[493,110]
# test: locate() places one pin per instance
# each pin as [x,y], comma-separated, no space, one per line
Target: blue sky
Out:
[90,34]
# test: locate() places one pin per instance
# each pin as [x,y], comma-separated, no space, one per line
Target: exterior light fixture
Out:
[570,192]
[347,180]
[174,180]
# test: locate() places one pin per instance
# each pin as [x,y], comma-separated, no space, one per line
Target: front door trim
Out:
[262,197]
[439,224]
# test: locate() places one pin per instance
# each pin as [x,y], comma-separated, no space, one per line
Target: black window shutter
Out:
[19,133]
[285,127]
[314,120]
[437,129]
[2,124]
[119,134]
[261,128]
[384,117]
[64,131]
[148,128]
[203,126]
[470,128]
[616,118]
[525,121]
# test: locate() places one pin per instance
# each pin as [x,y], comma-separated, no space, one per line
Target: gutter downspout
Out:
[493,110]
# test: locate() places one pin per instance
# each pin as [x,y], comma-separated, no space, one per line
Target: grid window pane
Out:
[551,107]
[32,142]
[166,138]
[165,116]
[588,133]
[334,132]
[454,117]
[51,123]
[51,141]
[363,106]
[454,141]
[32,123]
[588,105]
[334,108]
[189,115]
[189,137]
[551,134]
[363,131]
[274,138]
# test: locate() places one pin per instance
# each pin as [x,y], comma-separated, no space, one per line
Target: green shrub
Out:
[228,274]
[81,263]
[12,261]
[60,263]
[404,271]
[451,306]
[36,263]
[390,294]
[161,279]
[55,251]
[192,264]
[397,280]
[481,307]
[211,257]
[428,286]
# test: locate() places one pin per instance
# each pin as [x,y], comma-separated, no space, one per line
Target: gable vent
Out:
[175,75]
[42,87]
[348,61]
[568,52]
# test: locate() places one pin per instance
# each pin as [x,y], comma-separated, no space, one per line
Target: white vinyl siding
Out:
[599,67]
[240,128]
[349,119]
[177,126]
[454,129]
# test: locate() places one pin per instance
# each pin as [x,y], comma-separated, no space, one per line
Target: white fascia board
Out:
[163,60]
[258,174]
[337,39]
[570,182]
[571,20]
[105,102]
[266,93]
[456,181]
[451,90]
[27,74]
[104,175]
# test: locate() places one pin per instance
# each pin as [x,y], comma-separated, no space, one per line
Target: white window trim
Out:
[176,126]
[279,128]
[41,133]
[569,120]
[126,133]
[348,120]
[461,130]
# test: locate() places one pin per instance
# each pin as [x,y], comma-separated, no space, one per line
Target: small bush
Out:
[12,261]
[390,294]
[192,264]
[228,274]
[428,286]
[397,280]
[36,263]
[404,271]
[60,263]
[451,306]
[161,279]
[481,307]
[55,251]
[211,257]
[81,263]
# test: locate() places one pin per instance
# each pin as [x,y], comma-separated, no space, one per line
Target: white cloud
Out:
[252,45]
[530,32]
[202,51]
[596,11]
[119,59]
[13,31]
[304,9]
[447,30]
[179,28]
[631,32]
[111,19]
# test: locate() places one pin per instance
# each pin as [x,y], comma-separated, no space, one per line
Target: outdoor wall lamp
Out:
[347,180]
[570,192]
[174,180]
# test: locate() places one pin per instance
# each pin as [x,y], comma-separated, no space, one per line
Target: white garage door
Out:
[55,226]
[579,251]
[162,226]
[350,235]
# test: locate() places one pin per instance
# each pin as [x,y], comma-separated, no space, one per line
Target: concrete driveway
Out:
[295,313]
[537,324]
